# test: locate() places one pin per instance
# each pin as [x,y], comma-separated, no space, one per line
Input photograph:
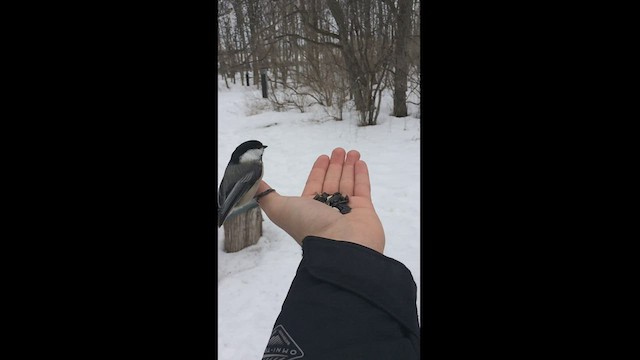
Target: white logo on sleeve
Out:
[281,346]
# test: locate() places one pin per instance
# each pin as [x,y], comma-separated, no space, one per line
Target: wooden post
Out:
[243,229]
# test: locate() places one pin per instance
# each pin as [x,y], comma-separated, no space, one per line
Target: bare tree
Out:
[403,22]
[366,58]
[240,37]
[256,43]
[326,52]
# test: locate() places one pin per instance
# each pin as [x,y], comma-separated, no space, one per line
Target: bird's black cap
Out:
[244,147]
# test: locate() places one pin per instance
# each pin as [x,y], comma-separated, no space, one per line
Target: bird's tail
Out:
[222,215]
[220,218]
[231,212]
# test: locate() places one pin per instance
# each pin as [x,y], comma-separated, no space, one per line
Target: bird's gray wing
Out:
[236,190]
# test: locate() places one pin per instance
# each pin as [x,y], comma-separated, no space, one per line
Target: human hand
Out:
[302,216]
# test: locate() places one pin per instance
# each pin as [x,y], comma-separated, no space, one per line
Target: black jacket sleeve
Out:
[347,302]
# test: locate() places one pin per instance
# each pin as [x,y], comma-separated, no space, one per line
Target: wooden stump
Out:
[243,229]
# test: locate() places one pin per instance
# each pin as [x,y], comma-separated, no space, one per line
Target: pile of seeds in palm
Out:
[336,200]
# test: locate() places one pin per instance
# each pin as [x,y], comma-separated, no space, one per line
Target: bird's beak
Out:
[264,146]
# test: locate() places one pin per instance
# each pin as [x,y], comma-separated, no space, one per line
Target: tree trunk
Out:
[401,61]
[240,29]
[243,230]
[252,13]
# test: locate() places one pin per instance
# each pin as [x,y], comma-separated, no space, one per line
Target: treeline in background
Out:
[341,54]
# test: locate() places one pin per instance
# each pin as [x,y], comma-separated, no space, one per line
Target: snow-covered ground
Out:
[253,283]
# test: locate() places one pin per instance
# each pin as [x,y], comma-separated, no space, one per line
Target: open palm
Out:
[302,216]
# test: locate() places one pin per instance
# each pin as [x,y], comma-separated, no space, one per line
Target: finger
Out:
[316,176]
[270,202]
[362,183]
[262,186]
[334,172]
[348,173]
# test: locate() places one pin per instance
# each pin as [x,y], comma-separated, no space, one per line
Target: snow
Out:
[253,283]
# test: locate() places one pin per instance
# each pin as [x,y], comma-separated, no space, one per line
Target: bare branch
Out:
[309,40]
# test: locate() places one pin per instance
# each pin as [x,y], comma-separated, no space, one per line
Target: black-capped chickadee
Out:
[241,178]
